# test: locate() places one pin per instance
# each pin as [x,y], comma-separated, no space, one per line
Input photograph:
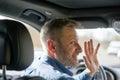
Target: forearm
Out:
[83,76]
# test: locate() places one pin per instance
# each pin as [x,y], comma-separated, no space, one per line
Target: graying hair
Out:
[52,29]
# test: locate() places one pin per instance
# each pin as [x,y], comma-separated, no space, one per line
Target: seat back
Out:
[16,47]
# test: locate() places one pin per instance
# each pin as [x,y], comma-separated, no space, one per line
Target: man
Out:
[60,43]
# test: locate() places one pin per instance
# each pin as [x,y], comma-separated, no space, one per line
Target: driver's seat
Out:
[16,48]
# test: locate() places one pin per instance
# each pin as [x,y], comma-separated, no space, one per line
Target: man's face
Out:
[68,48]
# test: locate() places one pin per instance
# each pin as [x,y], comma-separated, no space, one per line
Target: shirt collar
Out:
[56,64]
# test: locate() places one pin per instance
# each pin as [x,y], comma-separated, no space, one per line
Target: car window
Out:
[109,52]
[35,35]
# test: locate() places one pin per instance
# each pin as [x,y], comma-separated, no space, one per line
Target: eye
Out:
[73,42]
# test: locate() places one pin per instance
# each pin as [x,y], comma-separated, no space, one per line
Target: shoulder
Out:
[49,73]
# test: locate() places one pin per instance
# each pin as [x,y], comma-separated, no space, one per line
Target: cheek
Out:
[60,49]
[72,53]
[66,50]
[71,48]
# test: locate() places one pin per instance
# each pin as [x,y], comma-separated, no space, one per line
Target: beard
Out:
[66,59]
[65,56]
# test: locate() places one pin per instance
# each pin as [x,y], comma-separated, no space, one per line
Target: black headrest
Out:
[16,47]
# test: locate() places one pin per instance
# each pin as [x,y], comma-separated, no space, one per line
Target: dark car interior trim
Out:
[10,9]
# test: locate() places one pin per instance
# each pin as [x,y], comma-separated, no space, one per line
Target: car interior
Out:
[17,46]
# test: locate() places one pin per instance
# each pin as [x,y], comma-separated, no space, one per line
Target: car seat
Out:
[16,48]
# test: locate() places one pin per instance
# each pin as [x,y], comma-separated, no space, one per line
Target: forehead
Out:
[68,29]
[68,32]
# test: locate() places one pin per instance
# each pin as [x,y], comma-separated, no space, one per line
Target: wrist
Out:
[90,73]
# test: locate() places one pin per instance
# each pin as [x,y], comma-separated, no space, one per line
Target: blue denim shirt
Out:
[51,69]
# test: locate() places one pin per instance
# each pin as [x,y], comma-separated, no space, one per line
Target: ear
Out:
[51,47]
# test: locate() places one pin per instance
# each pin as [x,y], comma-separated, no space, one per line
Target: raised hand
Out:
[90,57]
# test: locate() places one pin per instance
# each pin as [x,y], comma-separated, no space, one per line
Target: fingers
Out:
[86,61]
[91,46]
[96,50]
[86,49]
[89,50]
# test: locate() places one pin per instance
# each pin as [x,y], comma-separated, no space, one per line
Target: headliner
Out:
[85,3]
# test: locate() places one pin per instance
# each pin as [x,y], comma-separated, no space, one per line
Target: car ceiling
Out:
[36,12]
[85,3]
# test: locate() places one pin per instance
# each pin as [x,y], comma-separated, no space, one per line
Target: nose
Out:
[78,48]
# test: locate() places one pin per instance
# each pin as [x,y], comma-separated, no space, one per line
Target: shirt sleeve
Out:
[56,75]
[82,76]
